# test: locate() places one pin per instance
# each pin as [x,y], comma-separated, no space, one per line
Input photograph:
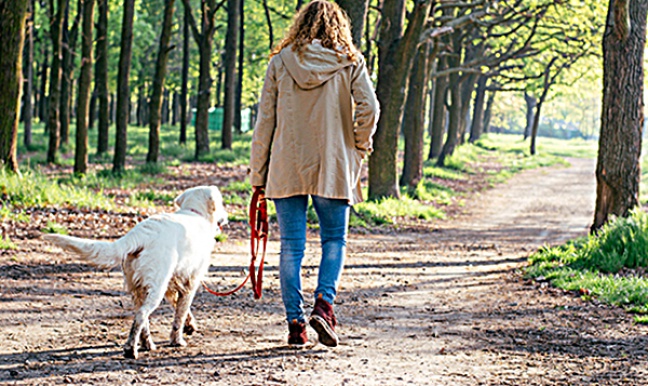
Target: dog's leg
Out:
[152,301]
[145,339]
[190,324]
[181,313]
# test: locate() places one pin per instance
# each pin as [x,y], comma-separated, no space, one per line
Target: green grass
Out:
[591,265]
[53,227]
[500,156]
[32,189]
[7,244]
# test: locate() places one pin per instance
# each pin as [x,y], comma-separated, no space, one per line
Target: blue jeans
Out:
[333,217]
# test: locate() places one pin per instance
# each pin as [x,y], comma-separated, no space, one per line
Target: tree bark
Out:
[42,100]
[238,103]
[155,106]
[204,38]
[101,77]
[531,104]
[414,120]
[230,72]
[28,73]
[618,165]
[123,90]
[184,89]
[12,37]
[467,89]
[396,54]
[68,46]
[54,99]
[357,11]
[477,126]
[85,84]
[488,112]
[439,115]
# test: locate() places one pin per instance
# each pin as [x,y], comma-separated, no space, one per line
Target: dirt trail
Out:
[444,307]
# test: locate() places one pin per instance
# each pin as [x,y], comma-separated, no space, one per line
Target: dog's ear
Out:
[210,201]
[179,200]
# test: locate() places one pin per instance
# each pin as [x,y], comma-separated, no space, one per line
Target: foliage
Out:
[607,266]
[34,189]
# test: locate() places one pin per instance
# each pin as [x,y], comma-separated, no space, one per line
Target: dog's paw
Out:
[178,343]
[189,328]
[130,353]
[148,345]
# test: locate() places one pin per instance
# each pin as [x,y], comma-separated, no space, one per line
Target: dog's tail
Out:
[104,254]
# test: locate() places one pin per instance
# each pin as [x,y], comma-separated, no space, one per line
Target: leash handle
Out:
[258,215]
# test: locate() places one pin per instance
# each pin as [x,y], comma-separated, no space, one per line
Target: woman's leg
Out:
[291,214]
[334,221]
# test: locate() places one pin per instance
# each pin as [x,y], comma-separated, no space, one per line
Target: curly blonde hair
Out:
[322,20]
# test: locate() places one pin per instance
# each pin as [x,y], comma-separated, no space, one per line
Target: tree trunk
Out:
[238,103]
[42,100]
[618,166]
[269,21]
[396,54]
[54,99]
[155,105]
[477,126]
[204,39]
[531,104]
[414,121]
[12,37]
[68,46]
[203,103]
[439,115]
[85,84]
[175,109]
[28,73]
[101,77]
[357,11]
[123,91]
[230,71]
[488,112]
[455,111]
[184,90]
[467,88]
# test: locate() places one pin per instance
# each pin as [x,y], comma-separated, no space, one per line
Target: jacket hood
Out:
[317,65]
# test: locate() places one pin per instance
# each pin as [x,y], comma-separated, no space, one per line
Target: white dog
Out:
[166,255]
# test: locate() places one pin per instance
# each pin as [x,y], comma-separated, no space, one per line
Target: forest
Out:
[506,185]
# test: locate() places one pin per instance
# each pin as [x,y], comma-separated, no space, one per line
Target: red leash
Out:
[258,239]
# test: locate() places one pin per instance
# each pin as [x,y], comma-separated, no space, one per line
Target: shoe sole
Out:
[326,335]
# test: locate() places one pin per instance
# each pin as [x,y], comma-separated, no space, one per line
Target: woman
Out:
[317,114]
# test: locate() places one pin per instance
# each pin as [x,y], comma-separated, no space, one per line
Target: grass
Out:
[507,153]
[33,189]
[7,244]
[607,266]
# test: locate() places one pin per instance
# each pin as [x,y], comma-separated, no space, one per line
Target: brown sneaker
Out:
[323,321]
[297,336]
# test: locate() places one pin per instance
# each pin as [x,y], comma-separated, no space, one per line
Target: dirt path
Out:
[444,307]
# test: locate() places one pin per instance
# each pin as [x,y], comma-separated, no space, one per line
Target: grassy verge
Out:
[610,266]
[473,167]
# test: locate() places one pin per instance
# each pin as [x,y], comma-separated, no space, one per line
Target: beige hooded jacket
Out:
[306,139]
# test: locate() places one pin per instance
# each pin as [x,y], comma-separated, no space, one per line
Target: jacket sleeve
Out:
[264,128]
[367,108]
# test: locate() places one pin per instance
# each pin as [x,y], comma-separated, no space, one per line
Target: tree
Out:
[622,118]
[414,121]
[238,103]
[85,84]
[396,51]
[101,77]
[158,83]
[230,71]
[12,37]
[184,91]
[357,11]
[123,90]
[28,72]
[56,15]
[204,38]
[68,45]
